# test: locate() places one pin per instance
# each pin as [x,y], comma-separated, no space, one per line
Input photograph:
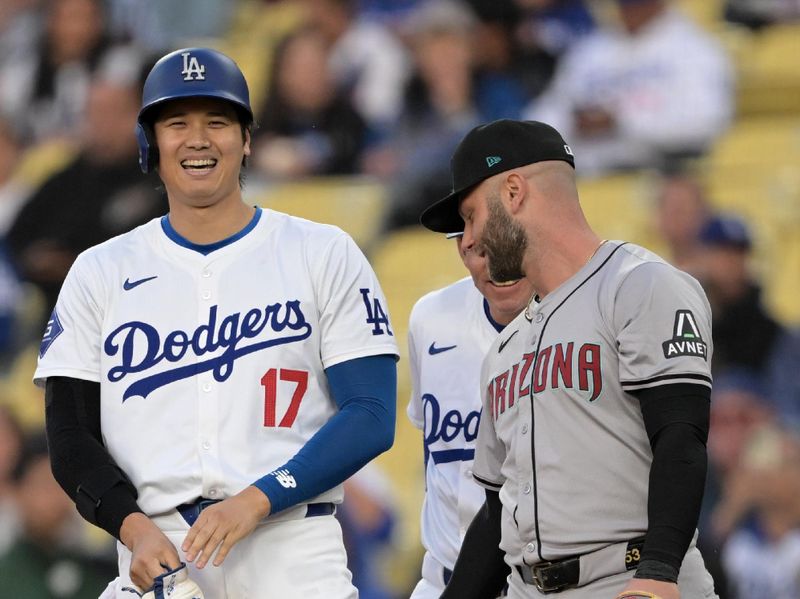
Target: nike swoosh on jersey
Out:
[128,284]
[433,350]
[504,343]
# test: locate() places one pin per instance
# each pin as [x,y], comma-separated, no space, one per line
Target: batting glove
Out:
[174,584]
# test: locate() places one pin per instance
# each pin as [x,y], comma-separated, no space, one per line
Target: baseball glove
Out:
[174,584]
[637,595]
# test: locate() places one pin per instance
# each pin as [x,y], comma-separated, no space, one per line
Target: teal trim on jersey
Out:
[497,326]
[365,391]
[207,248]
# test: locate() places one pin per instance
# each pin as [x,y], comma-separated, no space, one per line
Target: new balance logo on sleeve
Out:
[286,480]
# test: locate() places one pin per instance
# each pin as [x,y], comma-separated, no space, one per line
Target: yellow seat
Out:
[354,204]
[766,140]
[769,79]
[753,171]
[620,206]
[706,13]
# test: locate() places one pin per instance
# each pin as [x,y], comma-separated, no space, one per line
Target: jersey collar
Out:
[497,326]
[207,248]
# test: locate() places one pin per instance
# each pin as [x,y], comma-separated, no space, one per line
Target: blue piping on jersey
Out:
[207,248]
[497,326]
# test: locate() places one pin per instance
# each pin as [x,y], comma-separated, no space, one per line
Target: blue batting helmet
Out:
[188,73]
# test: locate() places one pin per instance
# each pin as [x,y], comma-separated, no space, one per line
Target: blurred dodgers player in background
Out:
[449,333]
[594,462]
[213,376]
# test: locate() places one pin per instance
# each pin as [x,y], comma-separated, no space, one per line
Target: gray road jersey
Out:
[560,436]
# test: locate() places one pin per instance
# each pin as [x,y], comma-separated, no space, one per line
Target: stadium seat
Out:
[768,77]
[356,205]
[620,206]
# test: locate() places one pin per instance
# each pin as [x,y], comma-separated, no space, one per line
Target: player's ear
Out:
[247,142]
[513,190]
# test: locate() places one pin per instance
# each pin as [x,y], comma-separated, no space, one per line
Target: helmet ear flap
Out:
[148,150]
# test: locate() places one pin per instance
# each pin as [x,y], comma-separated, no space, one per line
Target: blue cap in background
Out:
[726,230]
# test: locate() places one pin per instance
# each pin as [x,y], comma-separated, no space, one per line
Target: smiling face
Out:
[200,150]
[505,300]
[490,230]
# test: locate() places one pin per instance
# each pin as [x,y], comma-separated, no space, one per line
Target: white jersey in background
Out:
[449,333]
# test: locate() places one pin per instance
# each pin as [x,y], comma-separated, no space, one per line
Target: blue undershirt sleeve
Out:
[365,390]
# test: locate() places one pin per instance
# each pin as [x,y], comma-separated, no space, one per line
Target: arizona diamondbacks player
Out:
[449,333]
[213,376]
[596,397]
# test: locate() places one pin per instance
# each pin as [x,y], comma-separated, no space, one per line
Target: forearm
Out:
[480,570]
[80,462]
[678,429]
[365,390]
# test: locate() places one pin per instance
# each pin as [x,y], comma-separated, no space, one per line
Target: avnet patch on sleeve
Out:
[686,338]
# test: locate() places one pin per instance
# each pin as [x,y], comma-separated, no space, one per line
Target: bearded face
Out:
[504,243]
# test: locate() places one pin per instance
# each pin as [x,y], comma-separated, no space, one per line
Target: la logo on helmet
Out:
[192,69]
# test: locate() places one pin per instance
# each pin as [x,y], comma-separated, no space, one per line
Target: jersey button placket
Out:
[206,285]
[208,395]
[207,392]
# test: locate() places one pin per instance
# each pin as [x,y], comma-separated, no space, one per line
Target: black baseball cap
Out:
[490,149]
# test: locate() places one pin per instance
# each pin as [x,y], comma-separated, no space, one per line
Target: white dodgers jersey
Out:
[449,332]
[211,367]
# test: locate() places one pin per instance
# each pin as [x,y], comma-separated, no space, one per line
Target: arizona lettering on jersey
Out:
[184,335]
[558,366]
[572,364]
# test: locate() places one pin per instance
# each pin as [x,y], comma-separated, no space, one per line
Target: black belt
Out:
[559,575]
[191,511]
[552,577]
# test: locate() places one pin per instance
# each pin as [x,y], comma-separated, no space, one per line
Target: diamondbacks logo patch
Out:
[686,339]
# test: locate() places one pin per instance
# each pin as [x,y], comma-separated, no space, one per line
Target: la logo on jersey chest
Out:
[561,365]
[192,69]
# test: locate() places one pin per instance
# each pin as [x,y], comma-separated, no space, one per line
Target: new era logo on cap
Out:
[492,160]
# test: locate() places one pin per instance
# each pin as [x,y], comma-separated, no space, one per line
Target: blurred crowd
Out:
[385,89]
